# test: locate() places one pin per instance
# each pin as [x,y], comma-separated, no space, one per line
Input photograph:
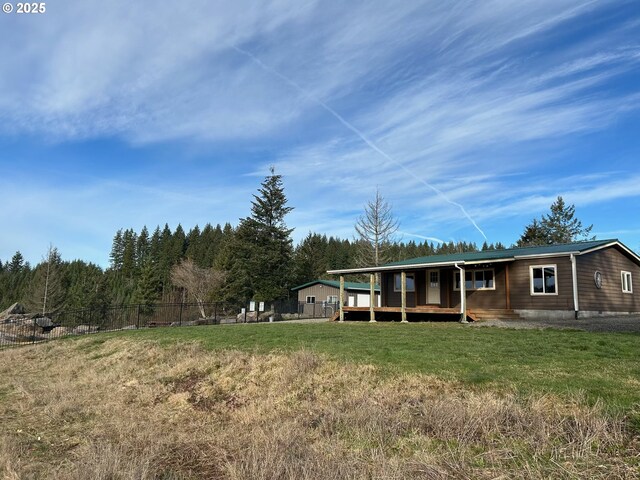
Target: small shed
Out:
[322,297]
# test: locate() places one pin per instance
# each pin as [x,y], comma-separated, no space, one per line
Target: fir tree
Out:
[311,258]
[143,248]
[262,264]
[117,251]
[560,226]
[16,264]
[148,287]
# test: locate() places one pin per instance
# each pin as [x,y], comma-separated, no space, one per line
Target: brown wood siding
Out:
[394,299]
[521,298]
[610,298]
[483,298]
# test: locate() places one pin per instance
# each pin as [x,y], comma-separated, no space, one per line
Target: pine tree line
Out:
[141,264]
[256,260]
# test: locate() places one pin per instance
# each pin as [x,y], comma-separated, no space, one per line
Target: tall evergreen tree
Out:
[148,286]
[311,258]
[263,255]
[86,287]
[129,239]
[143,248]
[16,264]
[117,251]
[559,226]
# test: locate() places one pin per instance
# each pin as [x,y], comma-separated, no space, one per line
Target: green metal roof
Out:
[498,255]
[509,253]
[336,284]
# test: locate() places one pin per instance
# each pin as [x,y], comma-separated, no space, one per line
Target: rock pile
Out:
[17,326]
[262,317]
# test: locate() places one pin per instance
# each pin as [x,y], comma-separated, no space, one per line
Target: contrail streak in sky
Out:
[432,239]
[360,134]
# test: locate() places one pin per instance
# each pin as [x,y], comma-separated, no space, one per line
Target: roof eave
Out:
[614,243]
[392,267]
[547,255]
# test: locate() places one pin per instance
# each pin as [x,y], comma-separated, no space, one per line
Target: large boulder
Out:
[44,322]
[84,329]
[60,332]
[250,317]
[25,333]
[270,317]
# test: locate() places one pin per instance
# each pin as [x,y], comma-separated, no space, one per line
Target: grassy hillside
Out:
[320,401]
[603,367]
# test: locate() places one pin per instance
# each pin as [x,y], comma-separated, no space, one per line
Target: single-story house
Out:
[564,281]
[319,295]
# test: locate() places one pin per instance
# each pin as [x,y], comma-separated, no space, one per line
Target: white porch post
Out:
[372,297]
[463,295]
[403,309]
[574,279]
[341,298]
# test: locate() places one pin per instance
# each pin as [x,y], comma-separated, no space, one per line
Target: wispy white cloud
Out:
[465,95]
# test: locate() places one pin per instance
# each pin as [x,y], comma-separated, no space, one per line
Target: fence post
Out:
[180,316]
[215,313]
[138,318]
[33,339]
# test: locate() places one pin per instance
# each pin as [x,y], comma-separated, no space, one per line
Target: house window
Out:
[332,299]
[476,280]
[627,287]
[311,299]
[543,280]
[397,283]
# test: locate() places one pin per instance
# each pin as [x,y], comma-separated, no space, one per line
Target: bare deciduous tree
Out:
[200,283]
[375,228]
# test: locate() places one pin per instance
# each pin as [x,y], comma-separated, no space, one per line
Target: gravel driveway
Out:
[622,324]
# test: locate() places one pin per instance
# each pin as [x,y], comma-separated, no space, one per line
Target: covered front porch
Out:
[436,292]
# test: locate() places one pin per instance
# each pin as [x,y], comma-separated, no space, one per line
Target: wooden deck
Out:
[472,314]
[422,309]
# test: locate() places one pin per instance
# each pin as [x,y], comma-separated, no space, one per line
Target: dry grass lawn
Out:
[131,409]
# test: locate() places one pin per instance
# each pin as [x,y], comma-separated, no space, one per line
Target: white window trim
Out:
[474,280]
[314,300]
[630,284]
[332,299]
[544,294]
[412,275]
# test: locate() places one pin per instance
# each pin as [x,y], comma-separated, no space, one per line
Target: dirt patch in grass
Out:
[126,409]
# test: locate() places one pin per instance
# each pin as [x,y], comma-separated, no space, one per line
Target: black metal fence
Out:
[21,329]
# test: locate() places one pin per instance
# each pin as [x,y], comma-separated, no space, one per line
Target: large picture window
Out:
[543,280]
[476,280]
[397,282]
[627,287]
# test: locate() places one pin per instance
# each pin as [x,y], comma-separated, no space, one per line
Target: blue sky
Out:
[469,116]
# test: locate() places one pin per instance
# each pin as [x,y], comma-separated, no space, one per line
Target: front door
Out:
[433,287]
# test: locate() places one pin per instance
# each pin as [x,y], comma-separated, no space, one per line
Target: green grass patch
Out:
[600,366]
